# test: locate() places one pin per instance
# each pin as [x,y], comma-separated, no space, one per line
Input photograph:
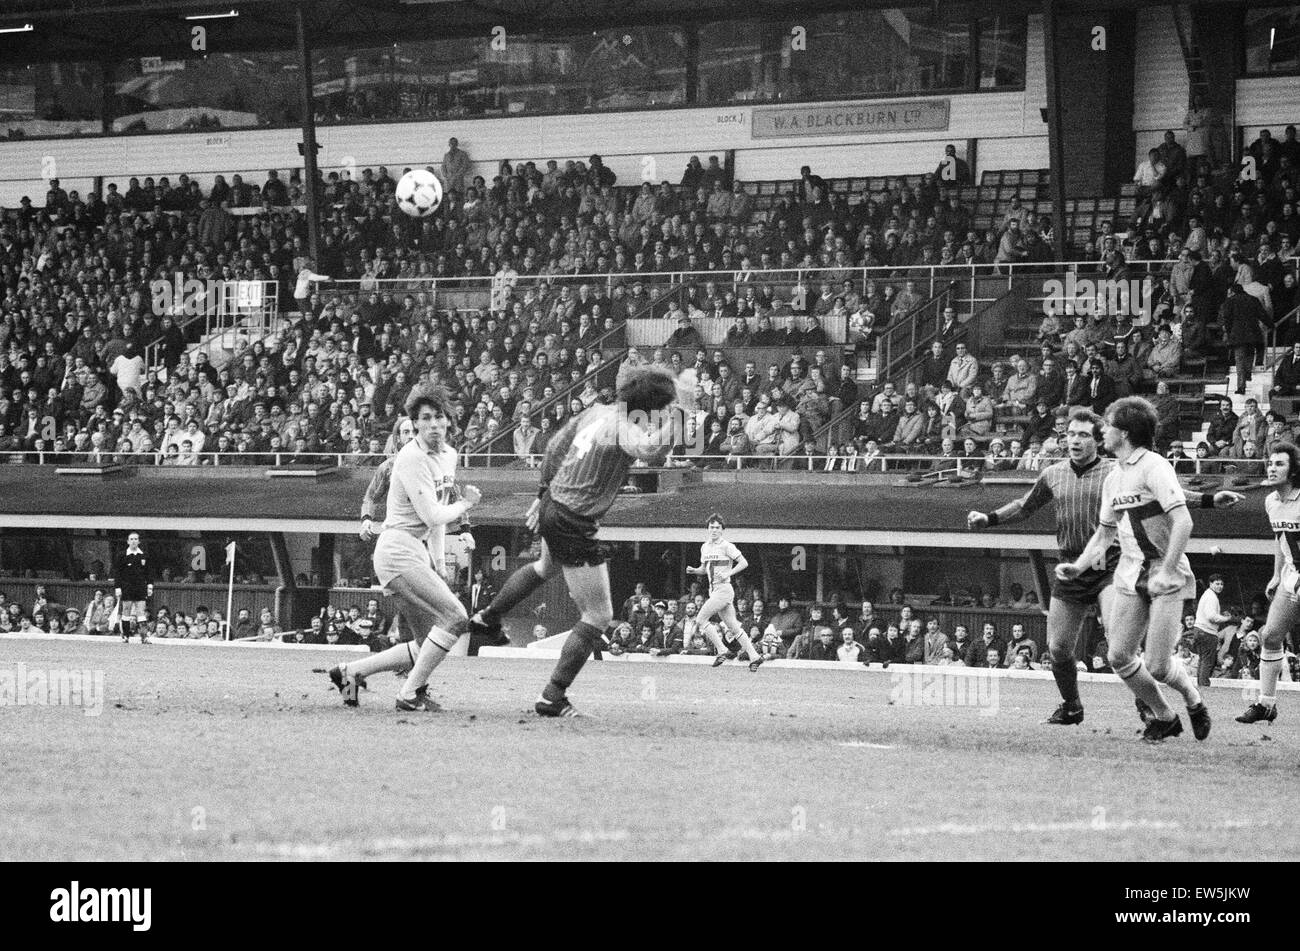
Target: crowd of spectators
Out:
[79,313]
[908,633]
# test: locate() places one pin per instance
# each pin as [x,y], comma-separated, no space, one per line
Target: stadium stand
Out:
[78,308]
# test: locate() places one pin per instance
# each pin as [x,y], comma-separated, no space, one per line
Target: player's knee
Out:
[1272,641]
[1122,662]
[1060,653]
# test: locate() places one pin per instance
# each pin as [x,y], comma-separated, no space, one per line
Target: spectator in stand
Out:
[1222,429]
[963,371]
[456,167]
[1243,316]
[1286,375]
[849,650]
[979,413]
[1166,357]
[685,337]
[953,170]
[935,641]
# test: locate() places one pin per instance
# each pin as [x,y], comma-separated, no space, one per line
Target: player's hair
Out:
[1292,453]
[427,394]
[1137,418]
[646,388]
[1085,415]
[715,517]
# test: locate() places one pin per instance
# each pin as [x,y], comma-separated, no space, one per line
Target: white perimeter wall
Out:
[1009,128]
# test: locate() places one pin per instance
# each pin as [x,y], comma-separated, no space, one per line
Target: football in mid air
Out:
[419,193]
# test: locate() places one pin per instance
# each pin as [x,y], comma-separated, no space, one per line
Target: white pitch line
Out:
[1075,825]
[868,746]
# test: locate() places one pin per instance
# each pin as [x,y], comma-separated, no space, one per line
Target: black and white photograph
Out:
[572,431]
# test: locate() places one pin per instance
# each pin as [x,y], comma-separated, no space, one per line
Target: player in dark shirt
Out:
[584,468]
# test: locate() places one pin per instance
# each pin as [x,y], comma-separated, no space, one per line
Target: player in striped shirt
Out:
[1283,508]
[719,561]
[1074,487]
[584,467]
[409,555]
[1145,507]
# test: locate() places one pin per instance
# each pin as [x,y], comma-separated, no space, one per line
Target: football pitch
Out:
[217,752]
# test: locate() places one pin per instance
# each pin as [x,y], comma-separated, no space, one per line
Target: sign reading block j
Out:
[907,115]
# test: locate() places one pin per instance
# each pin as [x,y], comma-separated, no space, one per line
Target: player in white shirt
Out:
[1283,508]
[419,508]
[719,561]
[1145,506]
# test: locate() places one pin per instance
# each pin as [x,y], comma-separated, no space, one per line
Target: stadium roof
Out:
[811,510]
[95,29]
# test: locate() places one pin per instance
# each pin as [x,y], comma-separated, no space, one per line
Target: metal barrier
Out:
[882,462]
[216,309]
[930,279]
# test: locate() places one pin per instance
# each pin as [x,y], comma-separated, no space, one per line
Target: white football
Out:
[419,193]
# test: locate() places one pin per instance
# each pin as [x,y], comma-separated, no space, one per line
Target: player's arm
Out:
[422,490]
[1213,500]
[1279,561]
[738,562]
[1101,540]
[378,485]
[1165,579]
[1013,511]
[1166,490]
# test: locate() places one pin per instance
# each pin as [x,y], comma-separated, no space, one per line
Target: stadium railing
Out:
[882,463]
[930,278]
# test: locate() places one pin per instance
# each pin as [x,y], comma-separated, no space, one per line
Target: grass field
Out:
[228,753]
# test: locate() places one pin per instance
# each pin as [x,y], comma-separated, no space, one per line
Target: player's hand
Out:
[976,520]
[367,532]
[1163,582]
[1067,570]
[149,590]
[1271,588]
[533,515]
[1226,499]
[471,494]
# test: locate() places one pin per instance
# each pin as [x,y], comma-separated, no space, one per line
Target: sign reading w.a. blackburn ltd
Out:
[848,118]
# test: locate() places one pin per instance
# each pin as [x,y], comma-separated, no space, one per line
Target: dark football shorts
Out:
[570,537]
[1087,588]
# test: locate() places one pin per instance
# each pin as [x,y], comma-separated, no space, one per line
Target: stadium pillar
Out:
[308,132]
[1055,131]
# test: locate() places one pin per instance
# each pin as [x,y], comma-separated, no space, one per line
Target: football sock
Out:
[715,638]
[1270,668]
[432,653]
[747,645]
[518,586]
[1145,688]
[1067,680]
[573,655]
[397,657]
[1178,678]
